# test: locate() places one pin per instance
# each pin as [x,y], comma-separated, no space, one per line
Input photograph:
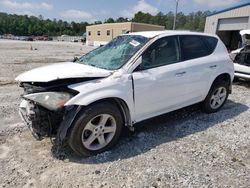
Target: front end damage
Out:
[39,119]
[42,106]
[46,91]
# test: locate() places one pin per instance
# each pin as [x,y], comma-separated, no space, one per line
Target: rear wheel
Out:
[216,97]
[96,129]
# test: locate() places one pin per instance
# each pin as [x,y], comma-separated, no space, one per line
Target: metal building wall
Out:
[213,20]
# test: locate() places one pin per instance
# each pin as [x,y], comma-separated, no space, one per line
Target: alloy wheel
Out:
[218,97]
[99,132]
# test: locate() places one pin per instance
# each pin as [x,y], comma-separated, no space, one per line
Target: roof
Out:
[231,8]
[152,34]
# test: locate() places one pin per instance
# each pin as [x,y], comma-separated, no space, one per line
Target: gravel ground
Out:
[185,148]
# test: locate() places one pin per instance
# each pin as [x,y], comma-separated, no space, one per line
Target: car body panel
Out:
[241,68]
[61,71]
[242,71]
[158,89]
[152,34]
[116,86]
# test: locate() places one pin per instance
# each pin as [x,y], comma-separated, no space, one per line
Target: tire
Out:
[96,129]
[214,100]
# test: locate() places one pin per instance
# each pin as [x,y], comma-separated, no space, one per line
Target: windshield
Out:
[116,53]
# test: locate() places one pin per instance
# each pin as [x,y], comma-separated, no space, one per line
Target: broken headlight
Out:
[50,100]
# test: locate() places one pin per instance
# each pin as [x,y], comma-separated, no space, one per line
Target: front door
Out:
[158,81]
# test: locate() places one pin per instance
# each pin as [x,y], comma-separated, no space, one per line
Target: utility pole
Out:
[175,15]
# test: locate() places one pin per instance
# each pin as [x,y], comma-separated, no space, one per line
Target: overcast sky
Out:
[92,10]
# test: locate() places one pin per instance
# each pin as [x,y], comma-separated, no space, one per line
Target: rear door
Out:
[199,63]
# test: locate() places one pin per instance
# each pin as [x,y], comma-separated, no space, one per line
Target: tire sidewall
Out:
[84,116]
[206,106]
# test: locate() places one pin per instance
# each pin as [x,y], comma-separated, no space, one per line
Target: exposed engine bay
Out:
[243,57]
[42,106]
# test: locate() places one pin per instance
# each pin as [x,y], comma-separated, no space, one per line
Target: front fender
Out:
[118,87]
[87,98]
[65,125]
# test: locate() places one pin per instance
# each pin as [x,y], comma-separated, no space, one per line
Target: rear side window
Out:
[192,46]
[211,43]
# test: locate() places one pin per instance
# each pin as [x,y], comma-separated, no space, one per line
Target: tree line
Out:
[24,25]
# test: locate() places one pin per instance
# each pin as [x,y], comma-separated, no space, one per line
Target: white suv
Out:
[136,76]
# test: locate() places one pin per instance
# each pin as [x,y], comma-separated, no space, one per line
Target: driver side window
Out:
[162,52]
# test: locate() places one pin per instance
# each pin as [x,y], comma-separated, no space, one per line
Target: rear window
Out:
[193,46]
[211,43]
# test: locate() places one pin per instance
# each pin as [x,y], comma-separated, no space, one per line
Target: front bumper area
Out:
[26,112]
[41,122]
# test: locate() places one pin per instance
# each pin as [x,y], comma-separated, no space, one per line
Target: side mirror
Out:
[75,59]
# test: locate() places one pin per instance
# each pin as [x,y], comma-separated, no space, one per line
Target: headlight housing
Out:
[50,100]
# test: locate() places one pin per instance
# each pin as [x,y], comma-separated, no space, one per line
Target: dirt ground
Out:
[185,148]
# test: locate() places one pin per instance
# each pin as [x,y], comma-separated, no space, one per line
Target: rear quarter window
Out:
[195,46]
[211,43]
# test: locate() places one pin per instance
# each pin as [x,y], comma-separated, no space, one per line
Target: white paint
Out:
[61,71]
[152,34]
[244,32]
[157,90]
[242,71]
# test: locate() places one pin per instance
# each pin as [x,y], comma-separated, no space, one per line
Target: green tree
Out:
[109,20]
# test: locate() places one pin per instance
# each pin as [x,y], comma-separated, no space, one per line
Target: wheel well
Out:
[225,77]
[122,106]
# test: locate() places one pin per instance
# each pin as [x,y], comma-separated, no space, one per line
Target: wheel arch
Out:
[224,77]
[121,105]
[71,115]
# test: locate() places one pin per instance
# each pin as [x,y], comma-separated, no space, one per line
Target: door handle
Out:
[212,66]
[178,74]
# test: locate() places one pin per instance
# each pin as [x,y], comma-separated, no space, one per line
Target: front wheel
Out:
[96,129]
[216,97]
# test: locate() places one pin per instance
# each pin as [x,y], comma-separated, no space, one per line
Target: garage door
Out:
[231,24]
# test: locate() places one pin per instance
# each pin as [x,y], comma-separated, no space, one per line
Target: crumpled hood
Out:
[62,71]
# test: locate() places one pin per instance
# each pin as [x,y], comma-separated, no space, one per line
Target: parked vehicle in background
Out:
[29,39]
[42,38]
[74,40]
[241,57]
[136,76]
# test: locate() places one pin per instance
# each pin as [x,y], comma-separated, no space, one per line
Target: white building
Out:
[227,24]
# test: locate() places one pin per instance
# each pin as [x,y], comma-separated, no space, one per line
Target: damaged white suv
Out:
[136,76]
